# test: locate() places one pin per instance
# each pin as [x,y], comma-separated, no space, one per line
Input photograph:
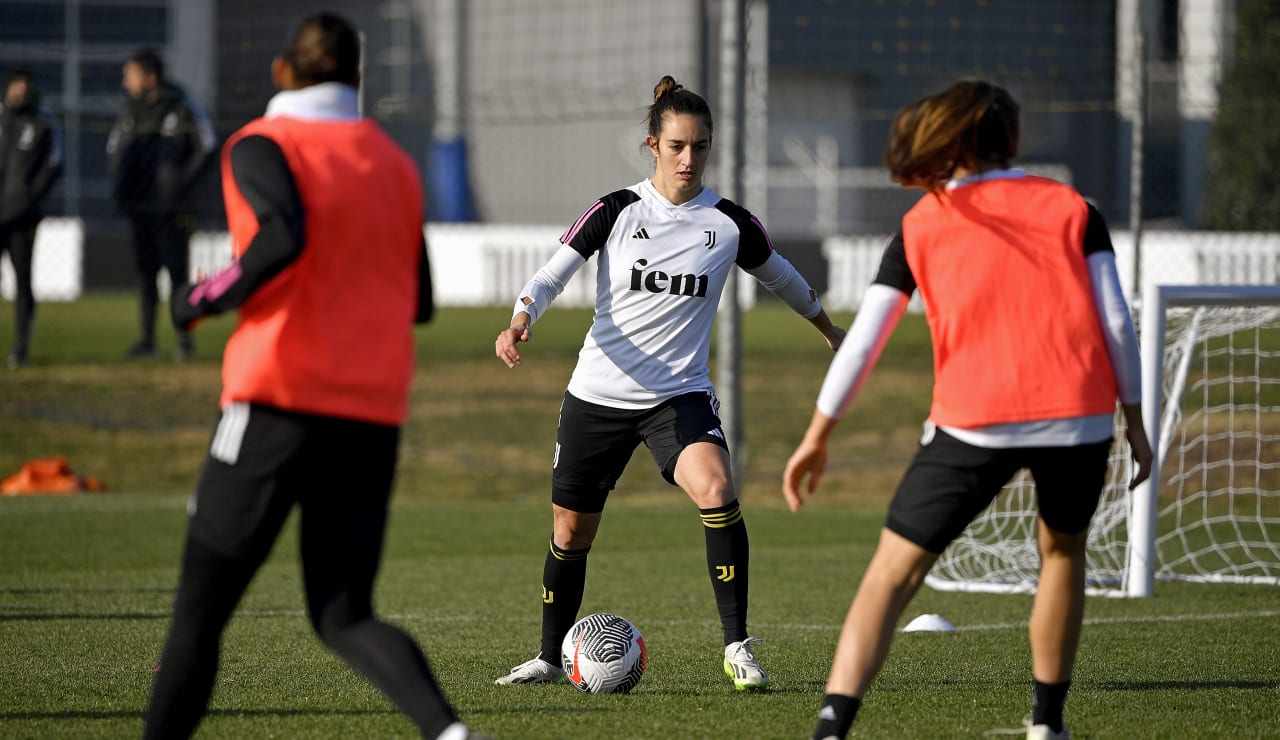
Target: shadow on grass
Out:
[1184,685]
[791,687]
[139,714]
[538,709]
[47,616]
[69,714]
[85,590]
[299,712]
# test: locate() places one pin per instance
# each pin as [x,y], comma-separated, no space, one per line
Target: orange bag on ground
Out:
[48,475]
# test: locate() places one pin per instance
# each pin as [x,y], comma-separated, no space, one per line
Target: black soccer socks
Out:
[836,716]
[728,554]
[1047,702]
[564,578]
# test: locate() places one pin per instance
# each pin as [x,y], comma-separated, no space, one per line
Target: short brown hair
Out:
[971,123]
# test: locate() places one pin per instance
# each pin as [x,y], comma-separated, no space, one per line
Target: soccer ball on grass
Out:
[603,654]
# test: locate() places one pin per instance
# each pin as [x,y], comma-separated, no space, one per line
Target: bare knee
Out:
[703,472]
[898,578]
[713,492]
[1054,544]
[898,564]
[573,530]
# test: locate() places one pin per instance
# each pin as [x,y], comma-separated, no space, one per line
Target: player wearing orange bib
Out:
[1032,345]
[330,274]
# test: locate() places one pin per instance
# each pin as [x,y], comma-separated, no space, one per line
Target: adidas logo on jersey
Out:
[641,234]
[657,281]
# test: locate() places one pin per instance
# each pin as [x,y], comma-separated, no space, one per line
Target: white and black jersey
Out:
[661,270]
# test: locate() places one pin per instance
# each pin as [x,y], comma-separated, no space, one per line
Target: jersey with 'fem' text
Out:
[661,270]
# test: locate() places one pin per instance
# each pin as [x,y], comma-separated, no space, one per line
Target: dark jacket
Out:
[156,150]
[30,162]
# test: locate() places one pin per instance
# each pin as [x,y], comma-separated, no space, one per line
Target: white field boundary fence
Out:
[486,265]
[471,264]
[1168,258]
[57,267]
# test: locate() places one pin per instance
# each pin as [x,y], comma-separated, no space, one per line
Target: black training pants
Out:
[263,462]
[20,243]
[159,240]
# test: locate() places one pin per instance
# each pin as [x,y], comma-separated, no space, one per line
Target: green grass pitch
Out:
[86,581]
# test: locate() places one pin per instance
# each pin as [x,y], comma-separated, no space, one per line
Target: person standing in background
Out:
[30,163]
[158,146]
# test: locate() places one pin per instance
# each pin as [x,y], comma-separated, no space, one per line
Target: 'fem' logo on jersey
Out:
[657,281]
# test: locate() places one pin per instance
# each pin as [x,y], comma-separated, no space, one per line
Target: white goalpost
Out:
[1211,510]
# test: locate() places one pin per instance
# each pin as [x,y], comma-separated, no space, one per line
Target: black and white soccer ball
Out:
[604,654]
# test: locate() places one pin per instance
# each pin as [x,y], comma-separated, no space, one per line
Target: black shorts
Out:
[950,482]
[594,444]
[263,461]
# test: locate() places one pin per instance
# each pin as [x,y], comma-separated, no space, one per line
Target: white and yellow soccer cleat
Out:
[536,670]
[741,665]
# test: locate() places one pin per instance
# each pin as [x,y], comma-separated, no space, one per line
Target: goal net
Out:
[1211,511]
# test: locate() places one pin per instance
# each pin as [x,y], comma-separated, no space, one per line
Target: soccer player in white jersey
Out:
[665,248]
[1032,346]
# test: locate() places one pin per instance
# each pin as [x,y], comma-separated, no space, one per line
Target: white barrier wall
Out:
[486,265]
[471,264]
[479,265]
[1168,258]
[57,267]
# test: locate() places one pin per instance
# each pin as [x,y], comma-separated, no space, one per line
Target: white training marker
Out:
[929,623]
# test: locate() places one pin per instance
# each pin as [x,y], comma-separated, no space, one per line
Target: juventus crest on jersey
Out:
[661,270]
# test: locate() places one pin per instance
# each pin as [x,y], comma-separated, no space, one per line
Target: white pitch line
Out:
[1143,619]
[17,610]
[832,627]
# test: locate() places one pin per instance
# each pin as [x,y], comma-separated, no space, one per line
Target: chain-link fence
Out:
[534,109]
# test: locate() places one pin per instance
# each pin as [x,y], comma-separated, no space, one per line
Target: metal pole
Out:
[364,45]
[72,105]
[755,111]
[444,41]
[1140,573]
[1137,127]
[729,146]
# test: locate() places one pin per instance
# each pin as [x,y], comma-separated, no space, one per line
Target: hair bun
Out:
[666,85]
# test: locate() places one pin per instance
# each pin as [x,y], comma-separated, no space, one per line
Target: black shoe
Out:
[17,359]
[142,350]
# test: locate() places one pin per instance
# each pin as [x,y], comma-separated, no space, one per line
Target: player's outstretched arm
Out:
[804,470]
[505,346]
[830,332]
[535,297]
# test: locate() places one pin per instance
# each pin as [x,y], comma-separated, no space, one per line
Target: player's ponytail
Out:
[970,124]
[670,96]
